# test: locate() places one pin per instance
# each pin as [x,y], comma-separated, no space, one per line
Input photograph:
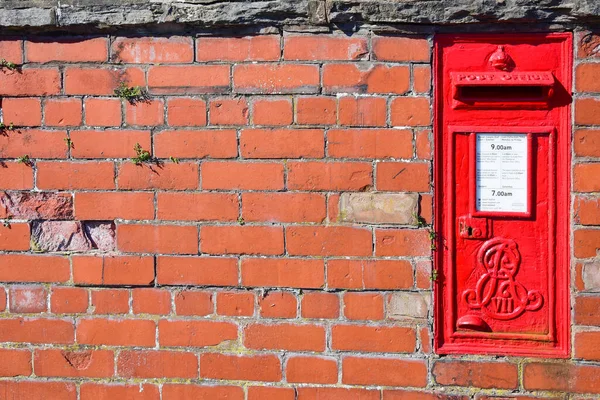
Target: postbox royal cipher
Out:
[502,173]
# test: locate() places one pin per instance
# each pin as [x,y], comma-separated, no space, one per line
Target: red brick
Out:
[414,395]
[273,272]
[320,305]
[272,111]
[168,176]
[365,78]
[283,207]
[196,144]
[275,78]
[188,79]
[421,78]
[586,243]
[363,111]
[114,270]
[62,112]
[334,393]
[196,392]
[200,271]
[324,47]
[249,48]
[153,50]
[100,81]
[410,111]
[114,205]
[587,111]
[329,175]
[30,82]
[145,113]
[316,111]
[266,368]
[586,210]
[23,390]
[33,268]
[384,371]
[587,142]
[15,362]
[67,300]
[37,330]
[586,345]
[423,274]
[282,143]
[485,375]
[369,143]
[586,310]
[271,393]
[116,332]
[97,391]
[402,242]
[75,175]
[110,301]
[285,337]
[229,111]
[162,239]
[585,177]
[369,274]
[363,306]
[235,304]
[328,241]
[586,78]
[379,339]
[11,50]
[311,370]
[403,176]
[242,175]
[562,377]
[69,50]
[102,112]
[108,143]
[63,363]
[21,111]
[151,301]
[195,333]
[423,144]
[278,305]
[194,303]
[14,236]
[241,240]
[16,176]
[157,364]
[186,112]
[2,299]
[34,143]
[390,48]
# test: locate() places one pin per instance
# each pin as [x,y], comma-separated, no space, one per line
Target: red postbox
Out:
[502,178]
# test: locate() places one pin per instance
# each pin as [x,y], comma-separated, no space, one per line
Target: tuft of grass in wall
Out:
[69,143]
[133,94]
[4,129]
[4,64]
[141,155]
[25,160]
[6,222]
[421,223]
[174,159]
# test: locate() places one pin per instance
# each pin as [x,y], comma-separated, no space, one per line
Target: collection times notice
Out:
[501,172]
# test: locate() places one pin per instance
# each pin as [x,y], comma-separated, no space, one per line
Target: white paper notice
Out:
[501,173]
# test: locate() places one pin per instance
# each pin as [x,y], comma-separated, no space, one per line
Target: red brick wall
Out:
[275,245]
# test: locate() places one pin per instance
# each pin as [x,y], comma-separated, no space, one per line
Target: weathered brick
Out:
[586,142]
[227,111]
[402,242]
[479,374]
[275,78]
[312,370]
[402,305]
[157,364]
[71,49]
[369,274]
[378,208]
[30,82]
[27,299]
[147,50]
[249,48]
[324,47]
[365,78]
[266,368]
[188,79]
[312,175]
[564,377]
[396,48]
[64,363]
[195,333]
[100,81]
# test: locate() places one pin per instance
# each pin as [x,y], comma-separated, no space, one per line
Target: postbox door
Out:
[502,171]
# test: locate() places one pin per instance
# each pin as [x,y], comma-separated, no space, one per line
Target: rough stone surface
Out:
[379,208]
[403,305]
[72,236]
[591,276]
[36,205]
[210,13]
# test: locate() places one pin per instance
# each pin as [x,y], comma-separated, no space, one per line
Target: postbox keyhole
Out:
[469,231]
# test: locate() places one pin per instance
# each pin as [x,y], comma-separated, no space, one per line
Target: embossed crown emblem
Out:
[500,60]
